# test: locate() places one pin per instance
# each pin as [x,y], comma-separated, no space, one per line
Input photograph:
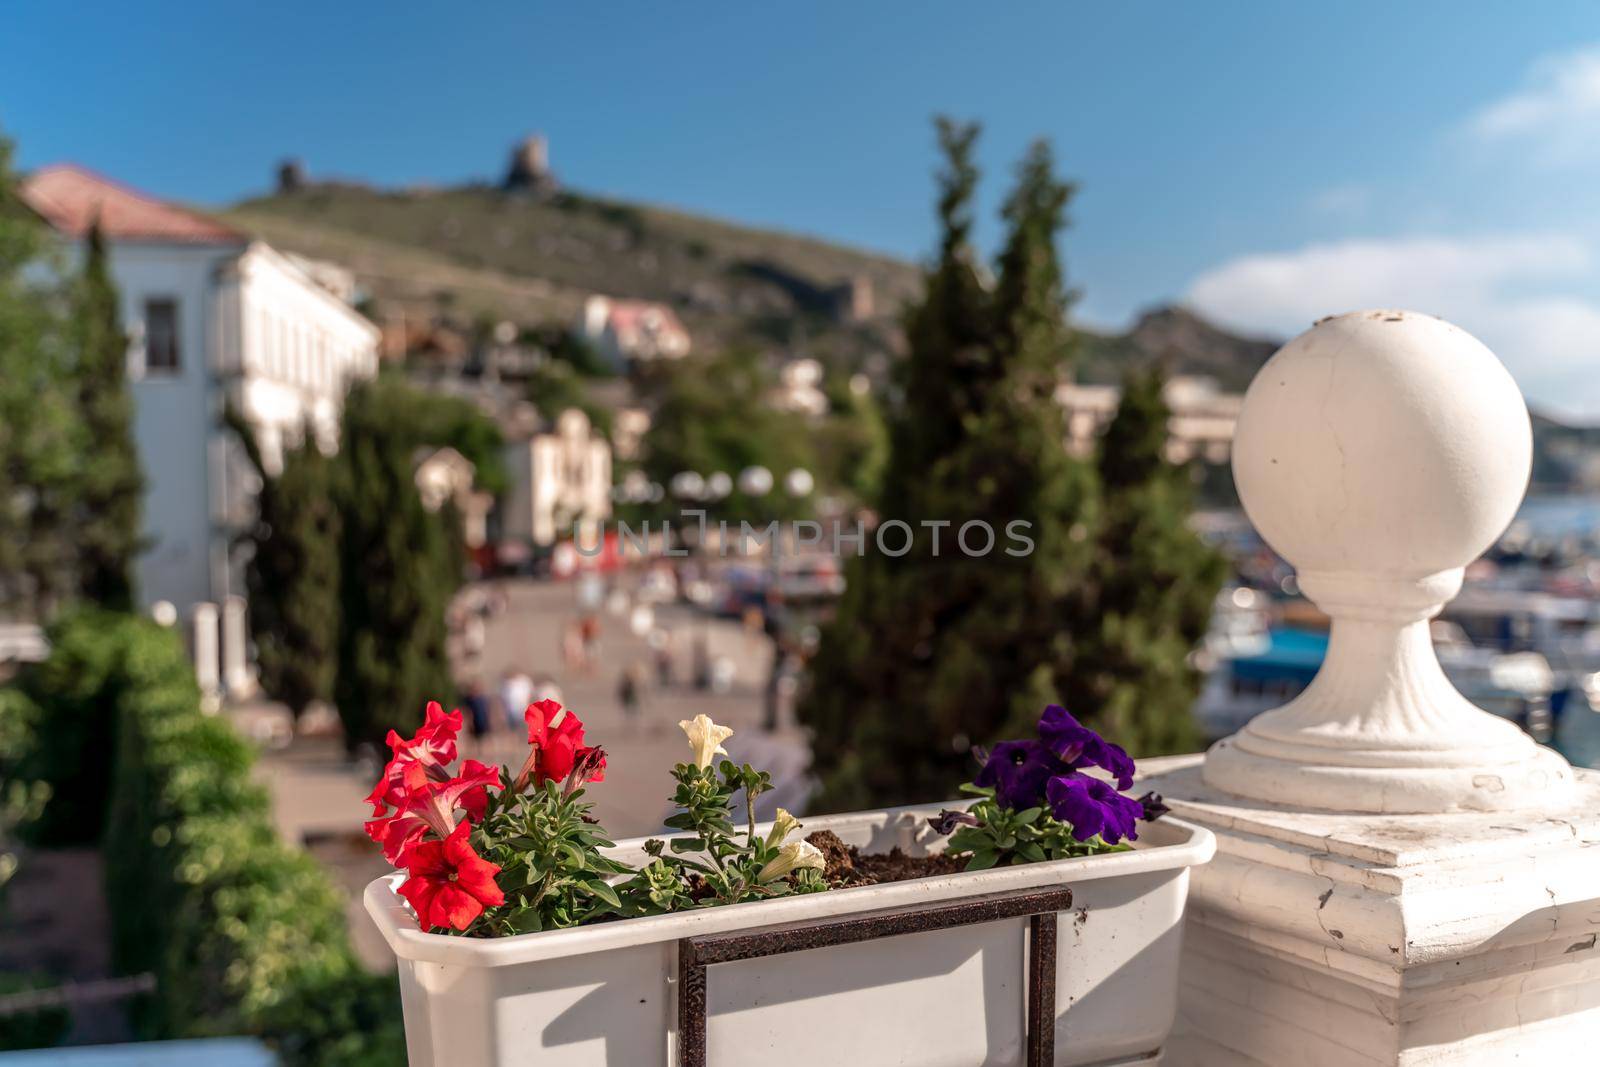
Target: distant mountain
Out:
[1180,340]
[459,254]
[1566,457]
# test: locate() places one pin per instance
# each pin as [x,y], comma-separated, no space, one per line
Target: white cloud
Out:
[1285,289]
[1558,105]
[1504,289]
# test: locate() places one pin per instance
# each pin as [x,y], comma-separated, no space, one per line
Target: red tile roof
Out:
[70,197]
[633,317]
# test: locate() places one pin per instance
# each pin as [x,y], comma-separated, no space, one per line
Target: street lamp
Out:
[688,485]
[633,489]
[755,481]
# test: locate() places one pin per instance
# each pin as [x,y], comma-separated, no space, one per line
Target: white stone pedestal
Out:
[1401,878]
[1317,939]
[206,648]
[238,680]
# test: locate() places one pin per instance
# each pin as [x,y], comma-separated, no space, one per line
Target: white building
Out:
[443,474]
[625,331]
[628,428]
[799,389]
[1201,424]
[557,480]
[212,315]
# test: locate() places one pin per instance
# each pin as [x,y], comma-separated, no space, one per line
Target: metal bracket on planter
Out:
[1039,906]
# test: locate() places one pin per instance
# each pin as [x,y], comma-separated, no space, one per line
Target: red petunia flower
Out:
[556,736]
[591,764]
[424,804]
[432,747]
[449,883]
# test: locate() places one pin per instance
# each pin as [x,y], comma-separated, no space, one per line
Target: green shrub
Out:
[41,1028]
[22,800]
[73,748]
[243,935]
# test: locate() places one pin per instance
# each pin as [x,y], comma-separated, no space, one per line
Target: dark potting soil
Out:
[846,866]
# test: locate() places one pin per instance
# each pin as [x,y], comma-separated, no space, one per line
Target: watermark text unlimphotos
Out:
[893,537]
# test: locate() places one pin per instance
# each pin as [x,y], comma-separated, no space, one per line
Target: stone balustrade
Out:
[1402,878]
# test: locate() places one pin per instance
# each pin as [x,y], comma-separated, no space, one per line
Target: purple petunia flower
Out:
[1078,746]
[1017,772]
[946,822]
[1153,807]
[1093,806]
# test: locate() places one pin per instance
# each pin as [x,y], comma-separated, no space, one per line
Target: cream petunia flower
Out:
[782,826]
[794,856]
[705,738]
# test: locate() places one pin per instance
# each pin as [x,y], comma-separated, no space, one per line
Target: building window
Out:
[161,336]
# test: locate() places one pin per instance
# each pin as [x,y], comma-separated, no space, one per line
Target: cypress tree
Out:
[293,574]
[947,334]
[1148,599]
[41,433]
[935,651]
[108,529]
[398,569]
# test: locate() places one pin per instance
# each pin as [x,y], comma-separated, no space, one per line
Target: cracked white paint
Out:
[1468,937]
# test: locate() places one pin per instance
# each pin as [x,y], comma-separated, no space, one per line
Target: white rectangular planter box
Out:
[605,995]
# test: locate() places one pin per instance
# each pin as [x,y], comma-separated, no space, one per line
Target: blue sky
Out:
[1265,162]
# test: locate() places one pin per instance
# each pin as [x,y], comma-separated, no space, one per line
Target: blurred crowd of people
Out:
[677,652]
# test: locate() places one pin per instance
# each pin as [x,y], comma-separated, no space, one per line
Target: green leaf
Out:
[604,891]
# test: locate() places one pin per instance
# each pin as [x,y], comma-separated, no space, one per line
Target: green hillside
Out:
[461,253]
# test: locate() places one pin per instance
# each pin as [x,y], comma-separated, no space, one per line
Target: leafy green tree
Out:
[399,565]
[566,346]
[714,414]
[445,421]
[935,651]
[107,533]
[556,386]
[293,573]
[1148,599]
[41,435]
[853,445]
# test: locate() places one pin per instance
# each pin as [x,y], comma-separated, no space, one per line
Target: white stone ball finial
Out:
[1379,453]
